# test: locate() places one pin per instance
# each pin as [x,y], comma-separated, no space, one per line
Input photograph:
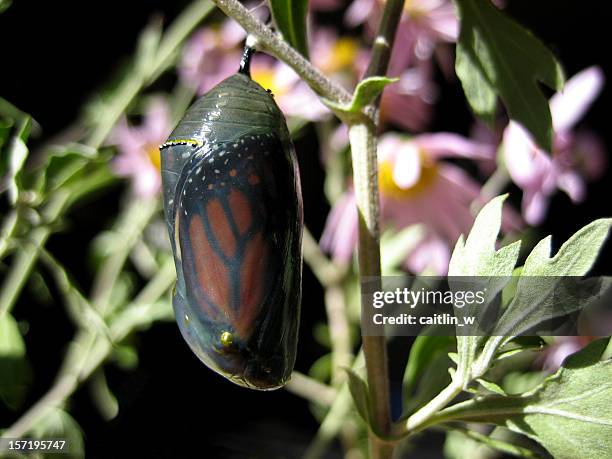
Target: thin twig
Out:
[311,389]
[362,137]
[276,46]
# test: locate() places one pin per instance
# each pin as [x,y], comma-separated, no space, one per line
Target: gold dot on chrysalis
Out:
[226,339]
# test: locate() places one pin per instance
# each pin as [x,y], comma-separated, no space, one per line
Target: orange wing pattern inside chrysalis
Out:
[221,228]
[252,281]
[213,274]
[241,211]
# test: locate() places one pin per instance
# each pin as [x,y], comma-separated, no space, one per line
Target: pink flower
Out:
[576,157]
[417,187]
[138,148]
[211,55]
[424,24]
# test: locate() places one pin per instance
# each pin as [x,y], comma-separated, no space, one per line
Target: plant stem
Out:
[311,389]
[383,43]
[365,177]
[418,420]
[276,46]
[330,275]
[362,136]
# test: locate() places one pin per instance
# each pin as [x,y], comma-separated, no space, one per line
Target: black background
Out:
[55,56]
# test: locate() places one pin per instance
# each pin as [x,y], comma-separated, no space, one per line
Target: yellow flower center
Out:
[265,76]
[153,154]
[342,55]
[388,186]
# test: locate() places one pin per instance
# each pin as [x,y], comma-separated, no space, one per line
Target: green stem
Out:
[311,389]
[330,275]
[383,43]
[362,136]
[365,178]
[419,420]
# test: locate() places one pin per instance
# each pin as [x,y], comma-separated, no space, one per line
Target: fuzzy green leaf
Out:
[534,296]
[365,93]
[569,413]
[497,54]
[491,269]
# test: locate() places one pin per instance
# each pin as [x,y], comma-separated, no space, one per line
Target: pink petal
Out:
[450,145]
[526,164]
[157,121]
[535,205]
[431,253]
[340,234]
[573,185]
[358,12]
[232,34]
[569,106]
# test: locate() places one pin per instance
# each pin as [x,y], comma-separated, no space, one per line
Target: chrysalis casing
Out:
[233,207]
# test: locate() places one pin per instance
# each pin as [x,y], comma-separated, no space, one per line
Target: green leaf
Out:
[434,378]
[478,91]
[15,160]
[575,257]
[423,352]
[570,413]
[290,19]
[15,372]
[488,440]
[489,268]
[359,393]
[365,93]
[545,289]
[477,256]
[496,53]
[65,165]
[491,386]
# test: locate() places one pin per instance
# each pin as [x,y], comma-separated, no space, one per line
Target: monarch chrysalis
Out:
[233,206]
